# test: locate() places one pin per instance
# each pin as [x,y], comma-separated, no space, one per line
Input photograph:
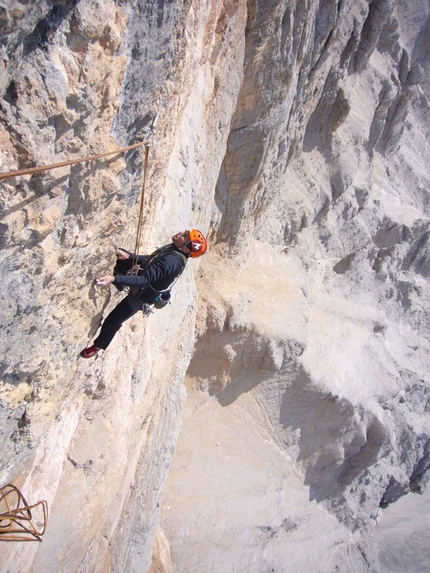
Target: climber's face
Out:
[181,239]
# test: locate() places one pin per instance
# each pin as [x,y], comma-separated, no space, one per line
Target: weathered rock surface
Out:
[296,135]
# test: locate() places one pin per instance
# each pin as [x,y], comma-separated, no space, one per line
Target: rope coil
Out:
[16,518]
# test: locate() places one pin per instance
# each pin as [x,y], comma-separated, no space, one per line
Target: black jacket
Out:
[165,267]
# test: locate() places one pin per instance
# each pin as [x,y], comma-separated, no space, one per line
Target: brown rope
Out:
[31,170]
[140,222]
[16,518]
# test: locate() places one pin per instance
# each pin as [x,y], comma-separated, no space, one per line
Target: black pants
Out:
[123,311]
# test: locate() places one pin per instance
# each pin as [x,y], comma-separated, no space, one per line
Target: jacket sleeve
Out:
[168,266]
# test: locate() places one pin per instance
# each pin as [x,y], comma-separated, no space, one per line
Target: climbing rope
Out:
[150,131]
[142,201]
[16,518]
[31,170]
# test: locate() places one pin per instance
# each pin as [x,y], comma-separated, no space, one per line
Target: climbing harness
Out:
[16,517]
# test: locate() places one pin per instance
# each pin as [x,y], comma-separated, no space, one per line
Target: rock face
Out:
[295,134]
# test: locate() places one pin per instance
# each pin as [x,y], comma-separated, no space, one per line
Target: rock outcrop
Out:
[295,134]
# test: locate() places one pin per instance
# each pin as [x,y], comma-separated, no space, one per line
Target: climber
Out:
[157,273]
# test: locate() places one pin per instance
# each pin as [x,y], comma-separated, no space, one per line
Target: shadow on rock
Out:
[338,441]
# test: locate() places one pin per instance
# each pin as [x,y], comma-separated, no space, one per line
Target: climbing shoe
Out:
[89,352]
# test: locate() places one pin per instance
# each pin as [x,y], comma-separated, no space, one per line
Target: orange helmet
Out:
[197,243]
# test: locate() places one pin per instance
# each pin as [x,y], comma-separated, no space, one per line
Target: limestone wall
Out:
[295,134]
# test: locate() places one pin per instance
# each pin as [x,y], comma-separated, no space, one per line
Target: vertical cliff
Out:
[295,135]
[308,386]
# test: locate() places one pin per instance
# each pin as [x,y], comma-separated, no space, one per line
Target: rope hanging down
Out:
[150,131]
[140,221]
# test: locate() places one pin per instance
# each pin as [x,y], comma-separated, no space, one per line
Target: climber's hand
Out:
[104,281]
[122,255]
